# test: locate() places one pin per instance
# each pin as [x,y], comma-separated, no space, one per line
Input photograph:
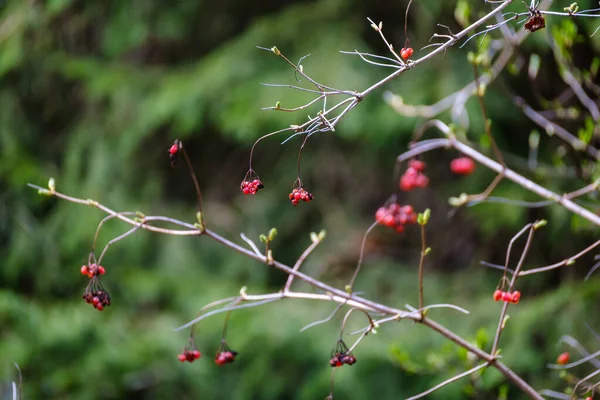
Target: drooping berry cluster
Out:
[189,355]
[563,358]
[173,152]
[251,183]
[251,187]
[92,270]
[462,166]
[406,52]
[225,355]
[507,297]
[94,293]
[414,177]
[396,216]
[98,298]
[340,355]
[298,194]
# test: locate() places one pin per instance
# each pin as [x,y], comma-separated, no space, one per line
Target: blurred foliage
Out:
[93,93]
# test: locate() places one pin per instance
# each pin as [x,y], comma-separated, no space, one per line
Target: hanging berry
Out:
[341,355]
[174,152]
[189,355]
[251,183]
[563,358]
[92,270]
[414,177]
[462,166]
[298,194]
[396,216]
[224,354]
[507,297]
[406,52]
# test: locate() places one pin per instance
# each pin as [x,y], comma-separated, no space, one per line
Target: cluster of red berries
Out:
[462,166]
[92,270]
[396,216]
[251,187]
[98,298]
[507,297]
[173,150]
[225,357]
[189,355]
[341,355]
[300,194]
[406,52]
[414,177]
[224,354]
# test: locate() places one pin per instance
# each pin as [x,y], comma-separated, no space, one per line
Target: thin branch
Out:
[448,381]
[566,262]
[501,321]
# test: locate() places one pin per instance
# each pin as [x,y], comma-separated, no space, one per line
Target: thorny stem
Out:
[332,294]
[511,286]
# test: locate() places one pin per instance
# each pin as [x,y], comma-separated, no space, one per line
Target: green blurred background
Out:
[93,94]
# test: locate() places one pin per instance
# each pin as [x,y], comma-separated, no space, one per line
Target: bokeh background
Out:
[93,94]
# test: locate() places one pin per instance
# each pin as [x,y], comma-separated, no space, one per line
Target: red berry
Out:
[196,354]
[418,165]
[497,295]
[101,270]
[462,165]
[99,307]
[295,202]
[182,357]
[506,297]
[563,358]
[407,183]
[84,270]
[516,295]
[173,149]
[406,52]
[399,228]
[421,181]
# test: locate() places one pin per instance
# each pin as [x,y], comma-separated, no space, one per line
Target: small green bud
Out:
[540,224]
[272,234]
[313,237]
[322,234]
[270,257]
[278,105]
[505,320]
[51,184]
[140,214]
[570,262]
[275,51]
[348,289]
[427,251]
[45,192]
[423,218]
[263,238]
